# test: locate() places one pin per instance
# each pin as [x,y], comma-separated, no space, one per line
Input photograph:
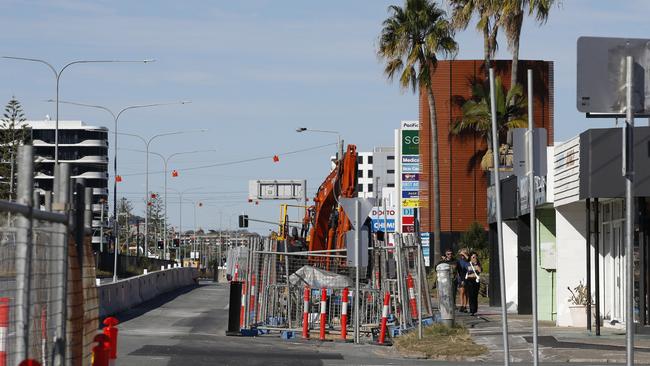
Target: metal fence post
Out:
[61,277]
[24,247]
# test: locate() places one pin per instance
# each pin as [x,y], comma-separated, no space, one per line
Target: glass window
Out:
[370,187]
[390,157]
[391,185]
[360,159]
[390,171]
[359,173]
[359,187]
[369,159]
[369,173]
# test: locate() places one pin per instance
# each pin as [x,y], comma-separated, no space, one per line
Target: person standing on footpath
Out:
[463,258]
[472,282]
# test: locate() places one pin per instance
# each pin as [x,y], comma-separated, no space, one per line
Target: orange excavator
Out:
[329,223]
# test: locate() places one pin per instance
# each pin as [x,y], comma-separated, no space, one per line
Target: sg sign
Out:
[410,142]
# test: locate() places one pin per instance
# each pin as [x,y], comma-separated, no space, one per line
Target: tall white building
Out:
[85,148]
[376,171]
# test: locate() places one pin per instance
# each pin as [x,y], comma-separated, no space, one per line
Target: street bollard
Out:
[110,330]
[29,362]
[445,294]
[145,271]
[4,329]
[305,313]
[251,307]
[344,314]
[384,318]
[242,314]
[102,351]
[412,301]
[323,313]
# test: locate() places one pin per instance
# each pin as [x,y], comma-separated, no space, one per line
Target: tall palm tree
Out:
[511,107]
[513,19]
[410,40]
[488,13]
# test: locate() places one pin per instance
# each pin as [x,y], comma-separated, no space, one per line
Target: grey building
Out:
[376,170]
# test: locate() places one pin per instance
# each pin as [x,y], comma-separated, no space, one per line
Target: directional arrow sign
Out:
[364,209]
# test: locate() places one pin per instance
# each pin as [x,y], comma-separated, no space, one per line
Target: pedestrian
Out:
[453,263]
[472,282]
[463,258]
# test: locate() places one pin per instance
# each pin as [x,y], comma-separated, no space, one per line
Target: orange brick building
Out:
[463,185]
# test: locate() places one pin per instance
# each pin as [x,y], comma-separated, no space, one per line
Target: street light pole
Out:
[116,118]
[57,75]
[339,142]
[147,143]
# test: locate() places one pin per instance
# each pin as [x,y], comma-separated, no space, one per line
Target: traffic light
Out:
[161,244]
[177,243]
[243,221]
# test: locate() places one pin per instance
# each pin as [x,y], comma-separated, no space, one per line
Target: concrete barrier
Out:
[124,294]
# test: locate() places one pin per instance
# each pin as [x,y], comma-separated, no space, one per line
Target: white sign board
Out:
[277,189]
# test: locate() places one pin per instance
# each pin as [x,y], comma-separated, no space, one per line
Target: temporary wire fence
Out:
[44,314]
[283,286]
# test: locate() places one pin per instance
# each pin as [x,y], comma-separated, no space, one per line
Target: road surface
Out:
[187,328]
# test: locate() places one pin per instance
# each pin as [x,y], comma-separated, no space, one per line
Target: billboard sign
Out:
[277,189]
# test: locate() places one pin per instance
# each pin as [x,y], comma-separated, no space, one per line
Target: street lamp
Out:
[146,144]
[165,165]
[338,137]
[57,75]
[116,117]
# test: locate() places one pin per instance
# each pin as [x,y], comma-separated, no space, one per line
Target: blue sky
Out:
[254,71]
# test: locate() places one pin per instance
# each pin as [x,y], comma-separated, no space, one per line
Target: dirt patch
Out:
[440,342]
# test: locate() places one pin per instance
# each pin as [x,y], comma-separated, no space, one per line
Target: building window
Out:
[390,157]
[369,159]
[390,171]
[369,173]
[360,159]
[359,173]
[359,187]
[391,185]
[370,187]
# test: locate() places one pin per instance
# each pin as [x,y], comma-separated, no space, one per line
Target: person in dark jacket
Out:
[472,280]
[463,258]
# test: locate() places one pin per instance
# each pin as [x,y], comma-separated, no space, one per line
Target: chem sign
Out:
[381,218]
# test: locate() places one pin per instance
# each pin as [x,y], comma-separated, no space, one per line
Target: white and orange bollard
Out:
[412,302]
[236,276]
[344,313]
[323,313]
[4,329]
[251,307]
[242,313]
[305,313]
[384,318]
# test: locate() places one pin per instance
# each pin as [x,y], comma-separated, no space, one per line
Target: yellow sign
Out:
[411,202]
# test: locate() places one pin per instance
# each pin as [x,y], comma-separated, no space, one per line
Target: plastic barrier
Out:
[242,313]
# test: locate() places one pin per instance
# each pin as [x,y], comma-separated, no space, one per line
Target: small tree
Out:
[475,238]
[124,212]
[156,212]
[13,133]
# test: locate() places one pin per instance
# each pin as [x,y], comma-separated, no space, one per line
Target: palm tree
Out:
[513,19]
[410,40]
[489,19]
[511,109]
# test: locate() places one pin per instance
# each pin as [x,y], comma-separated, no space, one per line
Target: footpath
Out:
[556,344]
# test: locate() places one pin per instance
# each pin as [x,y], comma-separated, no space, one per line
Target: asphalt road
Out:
[188,327]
